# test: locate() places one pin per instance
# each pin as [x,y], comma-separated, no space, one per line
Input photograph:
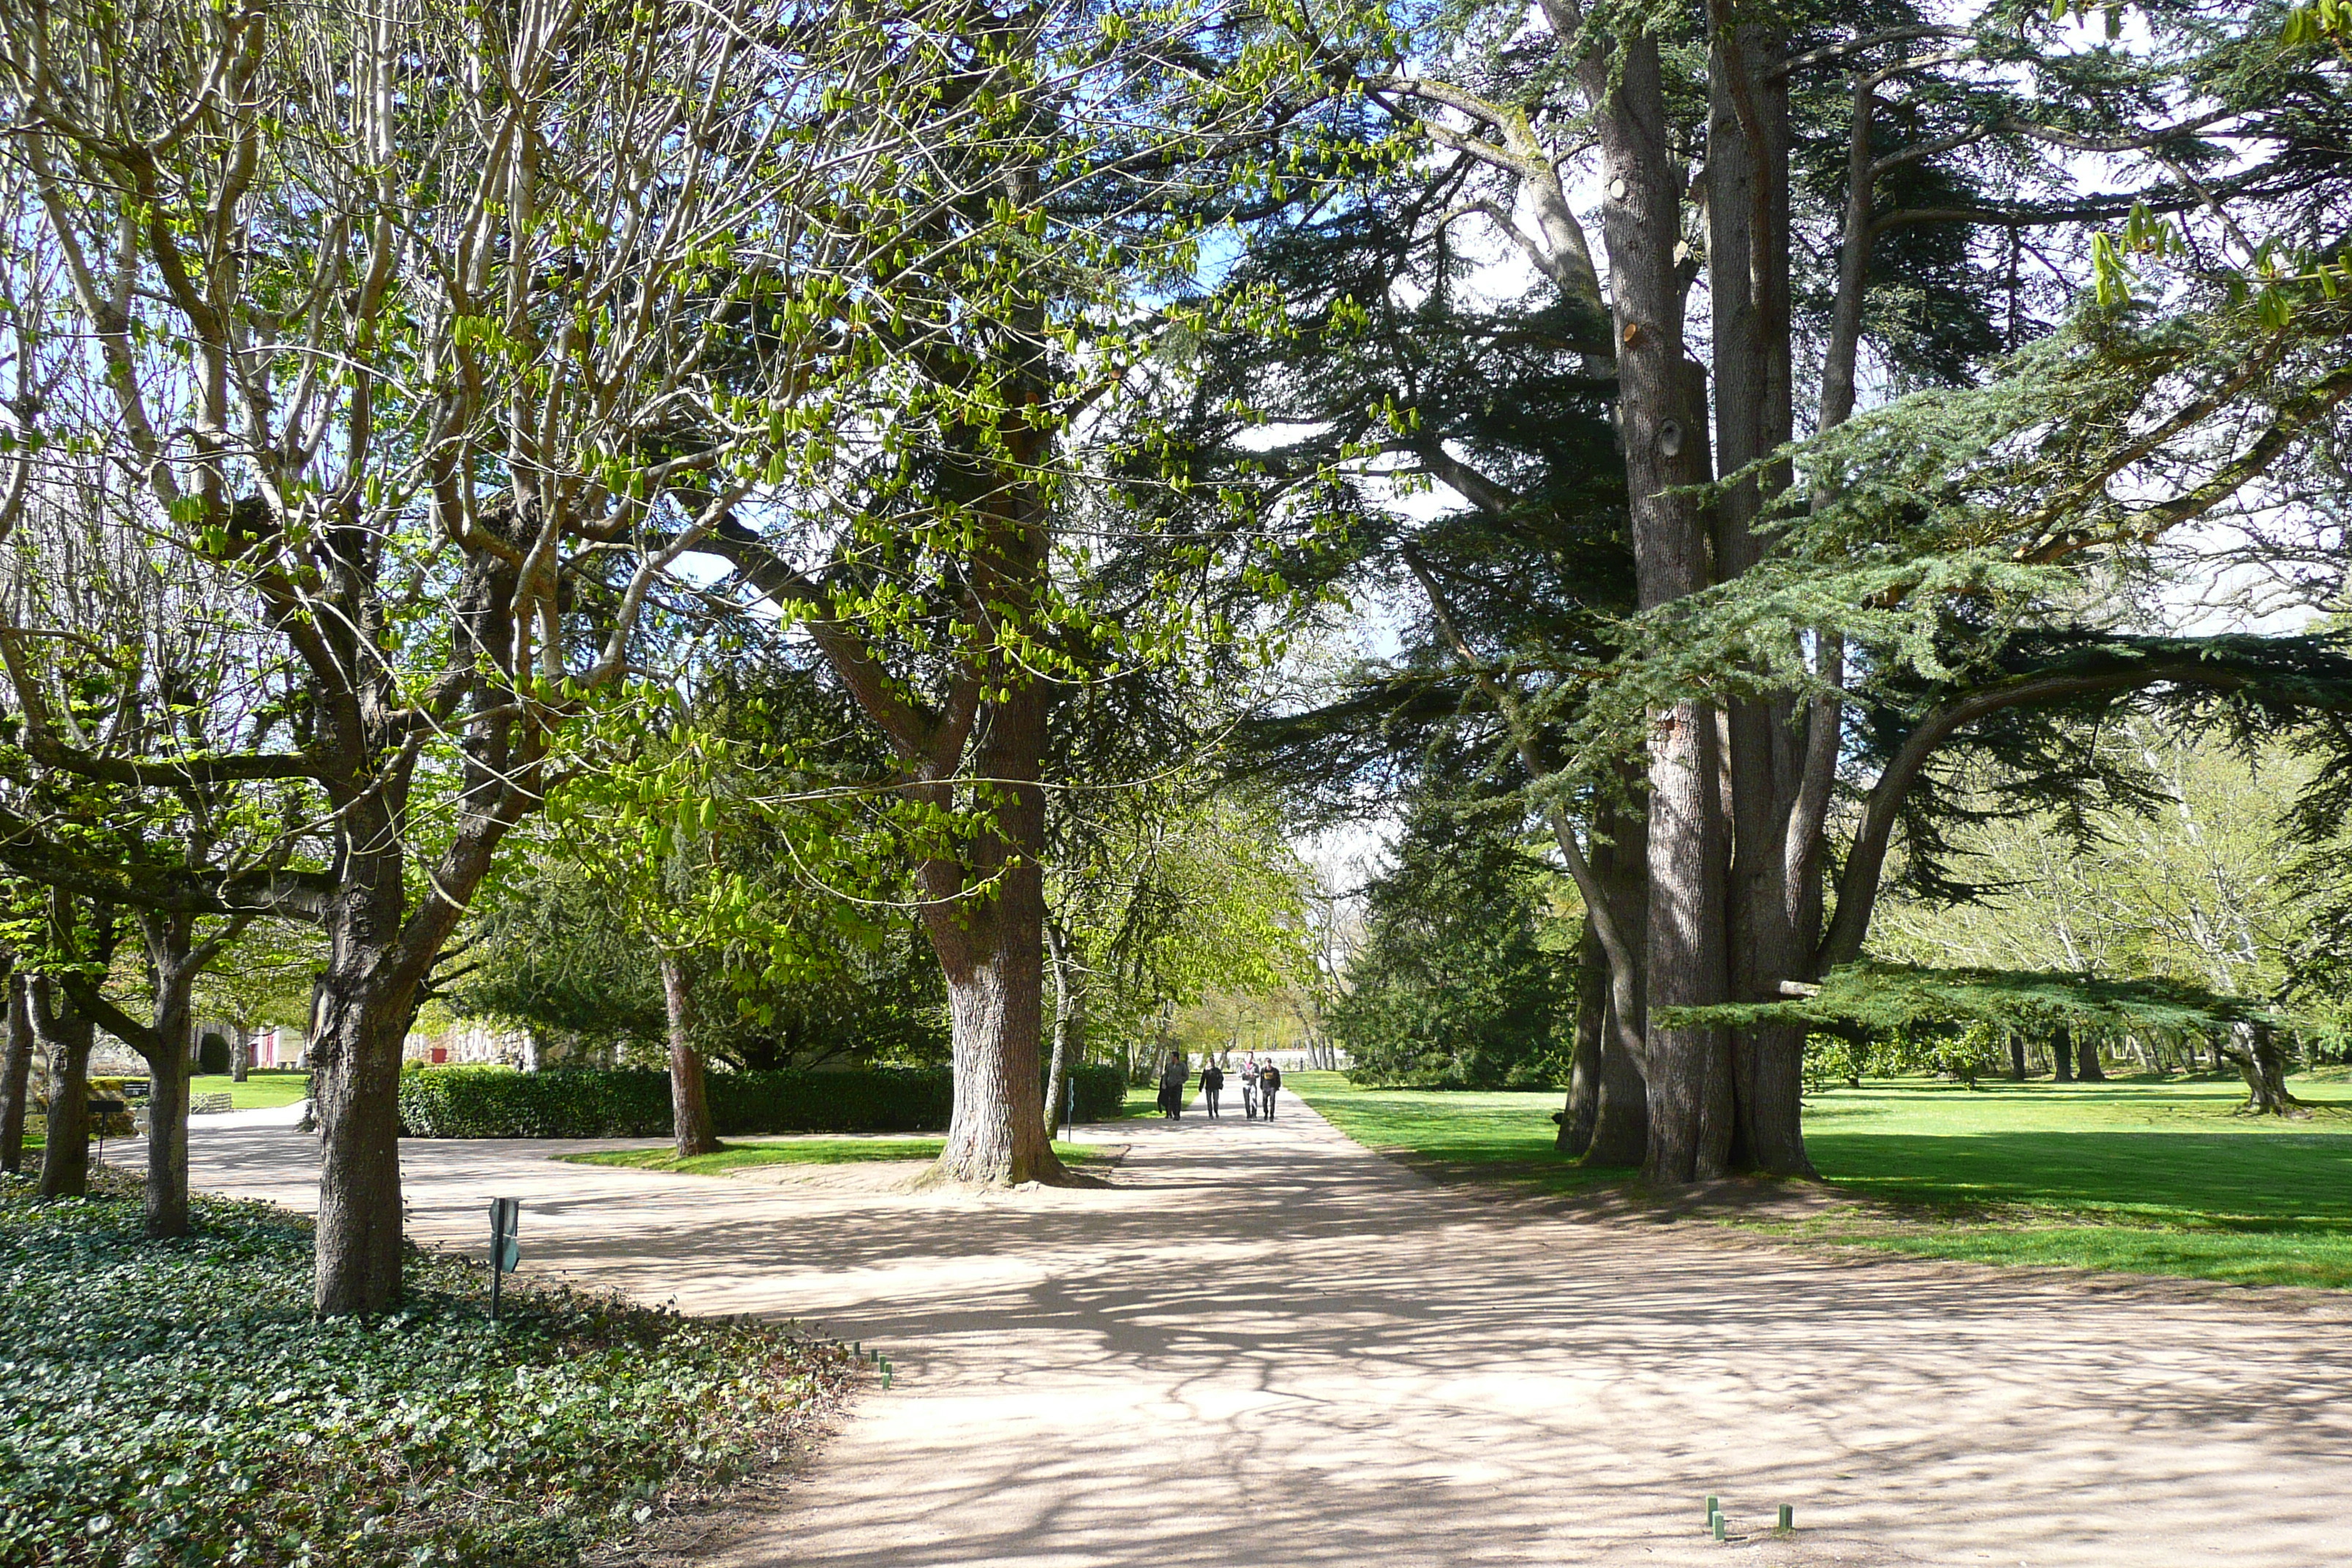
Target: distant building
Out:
[277,1047]
[472,1040]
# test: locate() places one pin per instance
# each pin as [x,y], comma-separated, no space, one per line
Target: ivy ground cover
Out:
[176,1403]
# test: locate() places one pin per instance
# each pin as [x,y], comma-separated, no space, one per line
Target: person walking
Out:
[1269,1082]
[1212,1084]
[1249,1085]
[1171,1088]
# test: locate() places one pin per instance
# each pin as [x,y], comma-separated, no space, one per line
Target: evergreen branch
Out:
[1891,998]
[1831,53]
[1622,972]
[2304,675]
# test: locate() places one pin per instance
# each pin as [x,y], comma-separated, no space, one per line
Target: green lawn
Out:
[2146,1175]
[1506,1136]
[262,1091]
[798,1152]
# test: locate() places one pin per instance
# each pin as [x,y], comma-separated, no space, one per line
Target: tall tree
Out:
[123,661]
[389,318]
[943,564]
[1914,151]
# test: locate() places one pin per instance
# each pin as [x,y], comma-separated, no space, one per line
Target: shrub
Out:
[176,1401]
[1454,986]
[500,1103]
[113,1124]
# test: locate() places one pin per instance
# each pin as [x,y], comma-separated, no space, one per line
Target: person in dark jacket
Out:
[1269,1080]
[1212,1084]
[1249,1085]
[1171,1088]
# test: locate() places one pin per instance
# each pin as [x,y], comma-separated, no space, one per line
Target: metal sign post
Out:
[505,1217]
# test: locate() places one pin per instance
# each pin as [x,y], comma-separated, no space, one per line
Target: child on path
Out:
[1269,1080]
[1212,1084]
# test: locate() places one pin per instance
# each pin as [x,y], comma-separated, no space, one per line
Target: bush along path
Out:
[582,1102]
[176,1401]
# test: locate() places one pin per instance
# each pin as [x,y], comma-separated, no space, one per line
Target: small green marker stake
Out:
[1787,1516]
[1719,1527]
[1711,1510]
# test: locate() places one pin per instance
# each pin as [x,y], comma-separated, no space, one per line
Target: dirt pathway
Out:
[1265,1346]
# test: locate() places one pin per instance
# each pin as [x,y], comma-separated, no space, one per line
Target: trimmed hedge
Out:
[500,1103]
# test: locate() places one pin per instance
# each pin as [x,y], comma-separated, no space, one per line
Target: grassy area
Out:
[264,1090]
[798,1152]
[1504,1136]
[2154,1176]
[175,1402]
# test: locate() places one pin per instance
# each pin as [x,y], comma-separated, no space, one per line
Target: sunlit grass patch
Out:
[266,1090]
[2143,1174]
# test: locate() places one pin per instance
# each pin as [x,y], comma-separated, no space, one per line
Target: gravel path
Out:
[1263,1345]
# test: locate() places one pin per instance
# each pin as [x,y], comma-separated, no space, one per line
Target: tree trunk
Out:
[16,1078]
[1583,1108]
[2264,1067]
[1068,1022]
[240,1053]
[689,1097]
[1620,1120]
[1662,426]
[355,1094]
[995,997]
[2086,1060]
[2062,1056]
[1769,1075]
[992,955]
[994,969]
[165,1048]
[1689,1082]
[66,1039]
[2016,1055]
[167,1200]
[1770,907]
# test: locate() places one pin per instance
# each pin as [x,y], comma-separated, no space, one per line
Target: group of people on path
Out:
[1261,1082]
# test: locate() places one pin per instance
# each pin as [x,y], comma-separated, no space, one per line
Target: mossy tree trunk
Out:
[66,1037]
[175,959]
[2086,1060]
[1583,1108]
[1069,1020]
[689,1093]
[16,1078]
[2252,1049]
